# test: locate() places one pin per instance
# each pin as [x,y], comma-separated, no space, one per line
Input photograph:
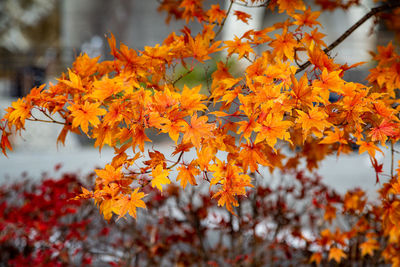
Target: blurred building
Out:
[40,38]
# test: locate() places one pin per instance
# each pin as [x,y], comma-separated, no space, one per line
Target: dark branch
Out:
[347,33]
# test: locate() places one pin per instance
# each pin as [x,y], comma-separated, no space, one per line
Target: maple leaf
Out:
[109,174]
[197,130]
[333,137]
[314,120]
[226,199]
[204,156]
[385,129]
[370,147]
[252,155]
[106,87]
[316,257]
[336,254]
[320,59]
[314,37]
[156,158]
[368,247]
[114,114]
[104,135]
[243,49]
[307,18]
[74,81]
[290,5]
[243,16]
[5,143]
[191,100]
[246,127]
[140,137]
[284,45]
[84,65]
[183,147]
[160,177]
[216,14]
[201,48]
[328,81]
[272,128]
[377,167]
[85,114]
[330,213]
[20,111]
[301,92]
[187,173]
[129,204]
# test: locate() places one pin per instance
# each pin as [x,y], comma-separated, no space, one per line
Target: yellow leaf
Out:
[336,254]
[160,177]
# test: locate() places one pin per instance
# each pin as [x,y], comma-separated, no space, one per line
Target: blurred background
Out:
[39,39]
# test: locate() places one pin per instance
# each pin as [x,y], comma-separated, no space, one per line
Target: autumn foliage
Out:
[289,105]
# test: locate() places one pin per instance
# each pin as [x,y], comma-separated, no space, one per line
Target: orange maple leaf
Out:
[314,37]
[74,81]
[106,87]
[187,174]
[191,100]
[271,129]
[104,135]
[252,155]
[20,111]
[336,254]
[369,246]
[197,130]
[243,16]
[109,174]
[129,204]
[316,257]
[284,45]
[370,147]
[85,114]
[239,47]
[301,91]
[226,199]
[202,47]
[327,82]
[290,5]
[84,65]
[216,14]
[314,120]
[307,18]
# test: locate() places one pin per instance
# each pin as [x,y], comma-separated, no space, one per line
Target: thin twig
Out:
[52,121]
[223,22]
[347,33]
[392,159]
[182,76]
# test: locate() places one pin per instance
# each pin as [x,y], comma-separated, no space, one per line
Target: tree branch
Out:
[347,33]
[223,22]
